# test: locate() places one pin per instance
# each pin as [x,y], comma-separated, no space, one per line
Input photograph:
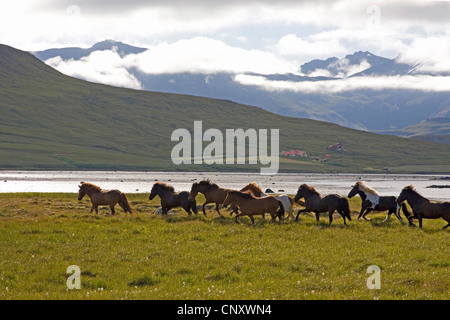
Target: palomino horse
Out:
[101,197]
[314,202]
[171,199]
[422,207]
[251,205]
[213,193]
[287,201]
[372,201]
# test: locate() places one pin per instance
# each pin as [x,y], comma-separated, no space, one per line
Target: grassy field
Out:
[147,256]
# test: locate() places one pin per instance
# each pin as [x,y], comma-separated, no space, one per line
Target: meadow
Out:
[149,256]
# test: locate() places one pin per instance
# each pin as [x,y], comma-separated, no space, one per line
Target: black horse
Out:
[316,203]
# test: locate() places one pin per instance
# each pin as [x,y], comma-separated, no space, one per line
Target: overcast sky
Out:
[238,36]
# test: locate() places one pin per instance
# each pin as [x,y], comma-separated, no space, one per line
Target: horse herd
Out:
[251,200]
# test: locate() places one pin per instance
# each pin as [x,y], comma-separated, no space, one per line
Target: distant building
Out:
[336,147]
[294,153]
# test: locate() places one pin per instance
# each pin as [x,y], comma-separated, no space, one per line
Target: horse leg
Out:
[318,216]
[92,209]
[112,209]
[300,211]
[420,222]
[217,208]
[361,212]
[236,217]
[253,220]
[367,211]
[330,216]
[445,227]
[388,216]
[397,213]
[203,207]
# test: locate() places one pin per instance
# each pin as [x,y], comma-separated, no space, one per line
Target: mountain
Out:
[52,121]
[78,53]
[345,67]
[433,129]
[376,110]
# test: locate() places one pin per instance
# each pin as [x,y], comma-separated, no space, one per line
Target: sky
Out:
[240,37]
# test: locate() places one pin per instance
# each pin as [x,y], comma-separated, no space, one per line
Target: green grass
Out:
[148,256]
[52,121]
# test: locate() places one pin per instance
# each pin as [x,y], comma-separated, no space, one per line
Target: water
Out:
[141,182]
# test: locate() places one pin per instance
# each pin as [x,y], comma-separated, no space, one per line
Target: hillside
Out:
[374,110]
[52,121]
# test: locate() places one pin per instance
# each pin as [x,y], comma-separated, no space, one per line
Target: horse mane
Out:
[91,186]
[366,189]
[164,186]
[414,191]
[252,186]
[309,188]
[207,183]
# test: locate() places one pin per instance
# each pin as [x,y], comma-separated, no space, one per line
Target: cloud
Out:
[105,67]
[430,54]
[205,55]
[291,45]
[196,55]
[418,82]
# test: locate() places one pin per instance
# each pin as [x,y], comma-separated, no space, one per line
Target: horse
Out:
[171,199]
[287,201]
[422,207]
[316,203]
[103,197]
[251,205]
[372,201]
[213,194]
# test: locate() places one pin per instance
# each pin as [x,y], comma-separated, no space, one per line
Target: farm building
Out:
[294,153]
[336,147]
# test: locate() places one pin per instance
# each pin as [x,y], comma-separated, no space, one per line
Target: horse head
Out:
[154,192]
[228,200]
[81,191]
[193,193]
[300,192]
[404,194]
[354,191]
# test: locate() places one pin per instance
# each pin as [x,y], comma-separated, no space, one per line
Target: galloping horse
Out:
[256,191]
[372,201]
[251,205]
[171,199]
[101,197]
[314,202]
[213,193]
[422,207]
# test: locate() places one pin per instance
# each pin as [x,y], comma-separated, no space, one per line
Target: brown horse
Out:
[251,205]
[213,193]
[287,201]
[372,201]
[101,197]
[171,199]
[316,203]
[422,207]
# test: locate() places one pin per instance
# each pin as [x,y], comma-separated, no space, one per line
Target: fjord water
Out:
[141,182]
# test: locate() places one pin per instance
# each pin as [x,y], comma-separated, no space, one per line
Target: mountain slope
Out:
[52,121]
[78,53]
[363,109]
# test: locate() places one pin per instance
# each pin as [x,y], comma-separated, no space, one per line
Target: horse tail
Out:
[193,206]
[123,202]
[280,212]
[345,207]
